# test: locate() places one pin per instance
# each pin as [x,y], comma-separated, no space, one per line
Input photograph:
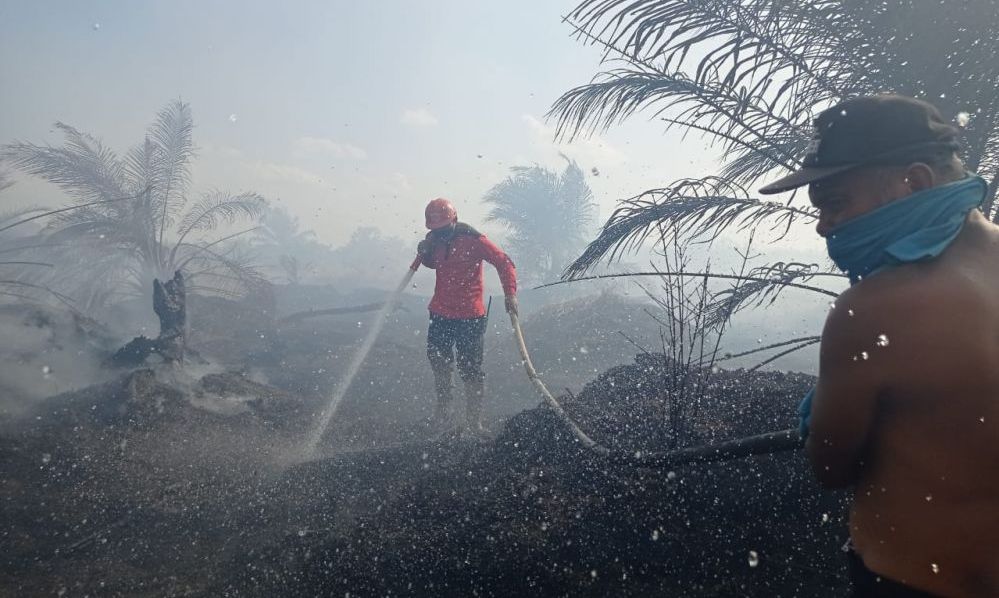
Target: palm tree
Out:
[131,221]
[547,214]
[282,239]
[749,76]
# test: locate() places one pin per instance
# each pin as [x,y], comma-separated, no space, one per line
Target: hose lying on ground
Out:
[333,311]
[773,442]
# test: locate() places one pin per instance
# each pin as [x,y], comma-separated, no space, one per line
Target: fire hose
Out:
[772,442]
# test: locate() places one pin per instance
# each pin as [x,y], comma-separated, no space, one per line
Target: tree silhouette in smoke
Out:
[133,220]
[547,215]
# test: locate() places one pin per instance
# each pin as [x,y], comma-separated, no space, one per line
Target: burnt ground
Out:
[163,483]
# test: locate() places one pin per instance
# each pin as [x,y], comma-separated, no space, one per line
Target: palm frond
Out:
[226,273]
[5,182]
[139,164]
[794,341]
[762,39]
[749,74]
[200,248]
[682,273]
[37,213]
[65,300]
[90,270]
[698,207]
[17,215]
[25,263]
[798,347]
[715,107]
[762,286]
[84,168]
[18,248]
[218,207]
[748,167]
[172,135]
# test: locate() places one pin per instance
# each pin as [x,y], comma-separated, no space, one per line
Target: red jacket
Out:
[458,261]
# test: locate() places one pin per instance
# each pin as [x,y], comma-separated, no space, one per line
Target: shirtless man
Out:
[906,409]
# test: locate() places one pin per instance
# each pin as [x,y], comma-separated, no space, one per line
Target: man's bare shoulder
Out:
[908,290]
[937,307]
[883,296]
[907,308]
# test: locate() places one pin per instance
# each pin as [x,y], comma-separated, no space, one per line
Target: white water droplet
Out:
[46,370]
[934,567]
[46,457]
[982,419]
[864,355]
[671,476]
[655,535]
[882,340]
[584,350]
[962,118]
[832,305]
[754,559]
[929,497]
[849,312]
[301,533]
[233,118]
[825,518]
[96,26]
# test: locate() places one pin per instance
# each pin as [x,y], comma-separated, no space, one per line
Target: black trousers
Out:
[461,340]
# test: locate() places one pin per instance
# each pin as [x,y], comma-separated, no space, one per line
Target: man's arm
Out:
[845,401]
[503,264]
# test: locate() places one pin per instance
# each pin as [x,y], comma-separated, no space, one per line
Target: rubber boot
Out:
[443,381]
[474,391]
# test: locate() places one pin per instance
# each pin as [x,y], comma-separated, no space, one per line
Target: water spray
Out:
[359,356]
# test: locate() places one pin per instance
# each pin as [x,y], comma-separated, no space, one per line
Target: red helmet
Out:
[440,213]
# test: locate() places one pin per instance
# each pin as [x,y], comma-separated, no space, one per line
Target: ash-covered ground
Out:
[192,482]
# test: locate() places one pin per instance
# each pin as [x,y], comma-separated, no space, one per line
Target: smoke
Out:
[45,352]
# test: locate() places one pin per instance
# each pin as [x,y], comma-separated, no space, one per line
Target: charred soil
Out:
[155,484]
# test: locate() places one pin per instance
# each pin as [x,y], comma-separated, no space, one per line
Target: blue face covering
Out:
[912,229]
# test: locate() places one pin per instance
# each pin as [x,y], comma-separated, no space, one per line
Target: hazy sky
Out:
[350,113]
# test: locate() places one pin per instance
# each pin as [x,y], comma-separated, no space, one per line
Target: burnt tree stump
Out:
[170,305]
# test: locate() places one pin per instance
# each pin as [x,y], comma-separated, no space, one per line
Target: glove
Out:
[805,414]
[511,305]
[424,249]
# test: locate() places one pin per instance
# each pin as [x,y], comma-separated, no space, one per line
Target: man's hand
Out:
[424,248]
[511,304]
